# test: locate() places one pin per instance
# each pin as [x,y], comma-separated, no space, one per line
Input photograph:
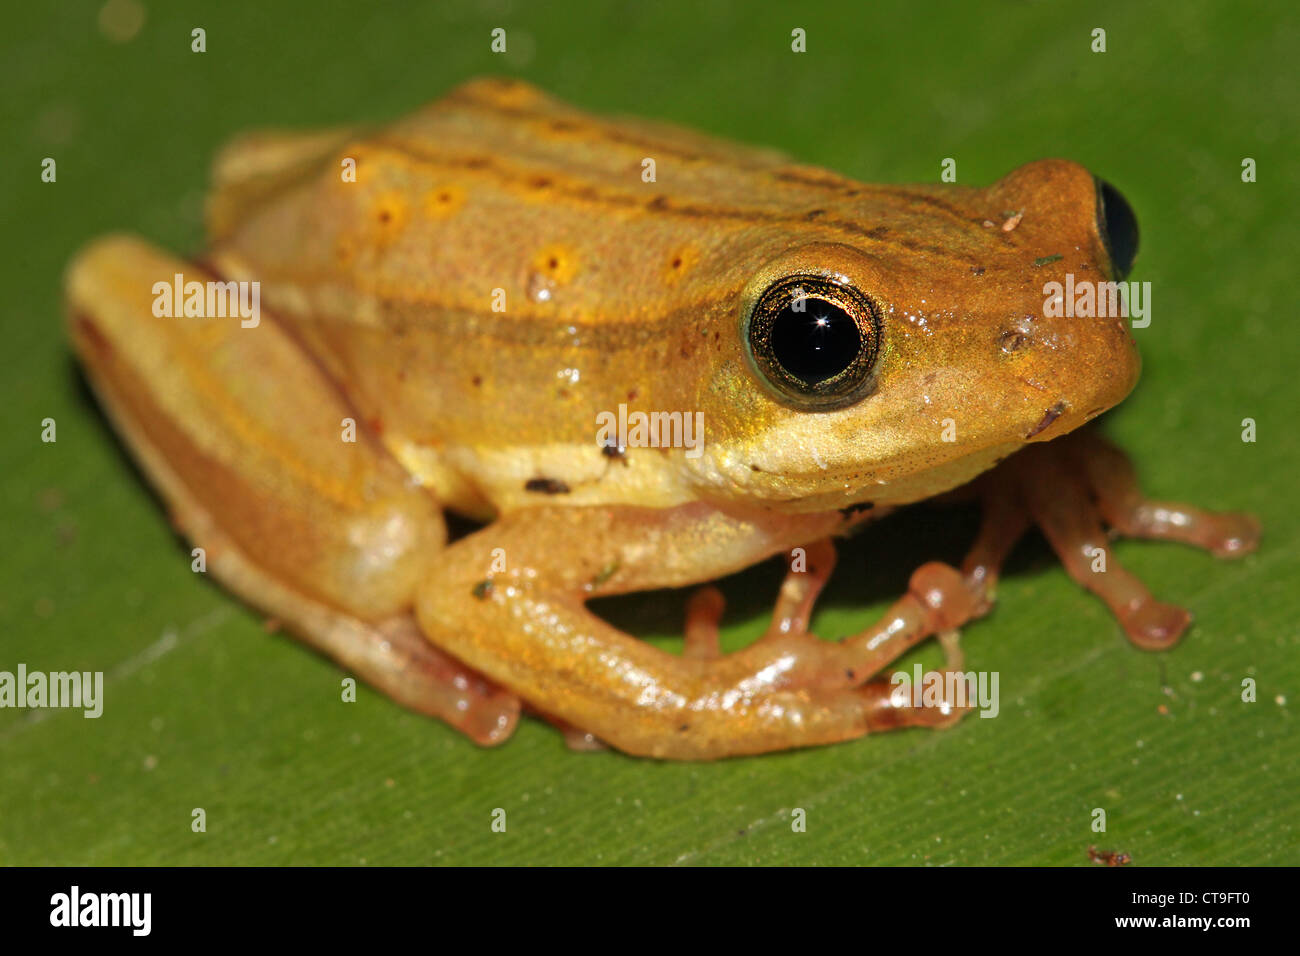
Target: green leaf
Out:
[203,709]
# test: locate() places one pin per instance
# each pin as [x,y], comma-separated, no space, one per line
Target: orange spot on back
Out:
[443,202]
[388,214]
[557,262]
[680,261]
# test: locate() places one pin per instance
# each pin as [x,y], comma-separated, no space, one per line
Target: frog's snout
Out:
[1063,199]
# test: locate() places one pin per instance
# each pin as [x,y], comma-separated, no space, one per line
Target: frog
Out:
[451,304]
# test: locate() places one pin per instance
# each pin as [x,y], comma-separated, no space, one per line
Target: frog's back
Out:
[501,264]
[491,273]
[500,186]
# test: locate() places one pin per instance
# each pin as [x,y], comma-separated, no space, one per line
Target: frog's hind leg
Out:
[243,438]
[262,164]
[391,655]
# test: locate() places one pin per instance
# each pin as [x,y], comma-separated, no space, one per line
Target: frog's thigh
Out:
[244,439]
[261,165]
[525,626]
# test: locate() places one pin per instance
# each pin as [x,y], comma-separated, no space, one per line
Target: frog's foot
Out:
[575,738]
[951,603]
[1225,534]
[1076,487]
[533,634]
[580,741]
[390,654]
[935,585]
[952,704]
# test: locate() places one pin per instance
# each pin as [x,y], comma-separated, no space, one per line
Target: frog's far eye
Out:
[814,340]
[1119,228]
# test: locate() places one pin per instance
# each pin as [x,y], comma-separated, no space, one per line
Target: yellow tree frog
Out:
[448,307]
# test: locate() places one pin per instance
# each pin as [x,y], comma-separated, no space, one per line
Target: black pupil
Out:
[1121,228]
[816,342]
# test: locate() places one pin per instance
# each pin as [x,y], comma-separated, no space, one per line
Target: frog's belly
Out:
[481,483]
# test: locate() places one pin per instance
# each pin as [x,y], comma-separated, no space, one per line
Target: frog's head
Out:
[920,335]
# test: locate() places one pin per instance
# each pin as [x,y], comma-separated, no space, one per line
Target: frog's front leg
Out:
[525,626]
[793,610]
[1076,487]
[245,440]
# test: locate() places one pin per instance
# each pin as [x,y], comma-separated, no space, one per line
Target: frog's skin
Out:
[377,305]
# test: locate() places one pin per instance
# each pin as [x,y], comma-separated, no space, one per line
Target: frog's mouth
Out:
[898,480]
[788,473]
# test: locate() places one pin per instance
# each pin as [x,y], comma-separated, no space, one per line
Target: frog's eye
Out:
[1119,228]
[814,340]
